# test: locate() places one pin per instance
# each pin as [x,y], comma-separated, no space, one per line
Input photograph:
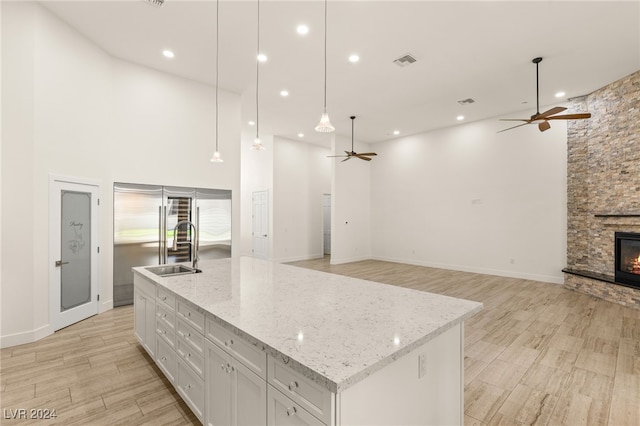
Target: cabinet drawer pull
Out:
[291,411]
[188,334]
[188,354]
[164,315]
[164,358]
[293,385]
[187,387]
[188,314]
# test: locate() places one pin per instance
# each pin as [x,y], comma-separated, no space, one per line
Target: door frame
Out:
[93,186]
[254,221]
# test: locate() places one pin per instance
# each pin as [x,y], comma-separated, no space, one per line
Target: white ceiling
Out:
[465,49]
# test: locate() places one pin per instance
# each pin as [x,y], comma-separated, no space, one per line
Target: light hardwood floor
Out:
[537,354]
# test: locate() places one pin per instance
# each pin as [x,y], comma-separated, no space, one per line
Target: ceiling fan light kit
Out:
[350,154]
[542,120]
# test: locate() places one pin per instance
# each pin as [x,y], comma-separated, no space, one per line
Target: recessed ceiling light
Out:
[354,58]
[262,57]
[396,132]
[301,135]
[560,94]
[284,93]
[168,54]
[302,29]
[252,123]
[460,117]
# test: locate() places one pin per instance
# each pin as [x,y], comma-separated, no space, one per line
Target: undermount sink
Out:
[172,270]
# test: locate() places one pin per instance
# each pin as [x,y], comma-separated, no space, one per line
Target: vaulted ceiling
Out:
[464,49]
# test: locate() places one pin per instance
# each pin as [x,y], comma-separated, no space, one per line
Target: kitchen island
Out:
[249,341]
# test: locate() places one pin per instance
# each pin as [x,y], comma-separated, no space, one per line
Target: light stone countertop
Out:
[334,329]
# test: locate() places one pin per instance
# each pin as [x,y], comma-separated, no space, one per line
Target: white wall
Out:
[74,110]
[351,227]
[467,198]
[301,175]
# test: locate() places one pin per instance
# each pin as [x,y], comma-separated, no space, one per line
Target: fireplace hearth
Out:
[627,259]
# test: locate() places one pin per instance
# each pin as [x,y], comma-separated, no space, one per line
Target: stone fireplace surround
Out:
[603,187]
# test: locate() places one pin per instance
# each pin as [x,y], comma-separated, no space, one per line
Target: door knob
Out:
[60,263]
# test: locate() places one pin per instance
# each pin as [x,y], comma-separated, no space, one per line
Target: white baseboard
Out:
[487,271]
[106,306]
[335,261]
[25,337]
[298,258]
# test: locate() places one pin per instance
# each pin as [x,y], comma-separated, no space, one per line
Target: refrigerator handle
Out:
[164,236]
[159,235]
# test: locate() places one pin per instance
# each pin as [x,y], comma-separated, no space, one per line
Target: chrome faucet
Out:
[195,240]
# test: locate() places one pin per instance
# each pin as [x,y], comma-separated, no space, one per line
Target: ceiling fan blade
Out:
[519,125]
[516,119]
[333,156]
[544,126]
[552,111]
[571,116]
[367,153]
[360,156]
[348,158]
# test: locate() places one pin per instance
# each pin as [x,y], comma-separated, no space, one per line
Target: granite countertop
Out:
[334,329]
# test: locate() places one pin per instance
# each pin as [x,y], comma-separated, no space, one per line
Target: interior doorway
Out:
[326,223]
[260,231]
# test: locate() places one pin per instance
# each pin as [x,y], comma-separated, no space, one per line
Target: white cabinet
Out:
[284,412]
[191,388]
[306,393]
[145,314]
[235,394]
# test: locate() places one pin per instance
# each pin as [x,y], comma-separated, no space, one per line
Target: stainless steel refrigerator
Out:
[144,217]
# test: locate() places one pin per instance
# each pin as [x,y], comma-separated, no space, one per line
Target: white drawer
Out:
[167,298]
[252,356]
[305,392]
[191,389]
[282,411]
[192,356]
[190,336]
[166,315]
[191,314]
[166,333]
[166,360]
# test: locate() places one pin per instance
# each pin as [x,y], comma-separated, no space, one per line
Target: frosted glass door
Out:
[75,281]
[73,252]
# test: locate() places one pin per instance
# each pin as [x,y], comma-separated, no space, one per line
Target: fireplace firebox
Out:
[627,250]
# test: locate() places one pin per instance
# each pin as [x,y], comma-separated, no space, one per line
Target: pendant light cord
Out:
[217,54]
[325,56]
[257,72]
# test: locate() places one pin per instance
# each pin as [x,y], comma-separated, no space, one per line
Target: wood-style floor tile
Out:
[537,353]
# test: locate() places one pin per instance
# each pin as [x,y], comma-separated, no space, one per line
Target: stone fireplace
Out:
[603,189]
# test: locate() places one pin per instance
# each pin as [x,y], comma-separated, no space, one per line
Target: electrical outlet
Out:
[422,365]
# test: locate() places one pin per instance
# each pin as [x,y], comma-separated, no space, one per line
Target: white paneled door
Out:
[73,252]
[260,234]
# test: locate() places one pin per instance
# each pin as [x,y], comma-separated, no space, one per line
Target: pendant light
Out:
[325,125]
[257,143]
[217,158]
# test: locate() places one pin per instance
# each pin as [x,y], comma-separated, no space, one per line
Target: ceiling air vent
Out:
[405,60]
[466,101]
[156,3]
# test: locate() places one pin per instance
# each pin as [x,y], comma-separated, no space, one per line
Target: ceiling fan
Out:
[350,154]
[542,120]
